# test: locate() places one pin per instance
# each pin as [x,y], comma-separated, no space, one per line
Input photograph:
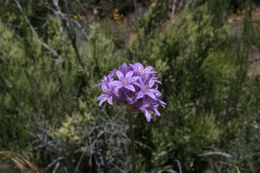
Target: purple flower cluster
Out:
[133,86]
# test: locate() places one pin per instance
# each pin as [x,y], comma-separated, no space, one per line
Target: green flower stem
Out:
[132,145]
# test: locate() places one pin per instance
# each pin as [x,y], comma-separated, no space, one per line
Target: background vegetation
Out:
[53,52]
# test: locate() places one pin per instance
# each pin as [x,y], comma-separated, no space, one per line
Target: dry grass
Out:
[23,164]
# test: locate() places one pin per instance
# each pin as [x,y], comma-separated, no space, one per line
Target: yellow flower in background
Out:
[153,3]
[238,11]
[115,10]
[74,16]
[116,15]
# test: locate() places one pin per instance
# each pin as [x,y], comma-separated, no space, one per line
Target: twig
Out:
[216,153]
[67,21]
[34,32]
[179,165]
[55,161]
[173,7]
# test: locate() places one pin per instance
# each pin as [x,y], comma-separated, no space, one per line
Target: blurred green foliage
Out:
[48,108]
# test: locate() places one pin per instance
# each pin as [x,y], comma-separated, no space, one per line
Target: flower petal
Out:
[102,97]
[156,112]
[148,69]
[102,101]
[120,75]
[104,88]
[116,90]
[162,103]
[110,100]
[129,74]
[151,83]
[139,95]
[151,95]
[133,79]
[124,68]
[115,83]
[147,115]
[130,87]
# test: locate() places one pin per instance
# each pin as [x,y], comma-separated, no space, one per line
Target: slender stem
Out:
[131,131]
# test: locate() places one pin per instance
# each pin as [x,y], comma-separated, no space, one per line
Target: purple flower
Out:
[134,86]
[124,81]
[124,68]
[107,96]
[150,105]
[105,81]
[139,69]
[146,90]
